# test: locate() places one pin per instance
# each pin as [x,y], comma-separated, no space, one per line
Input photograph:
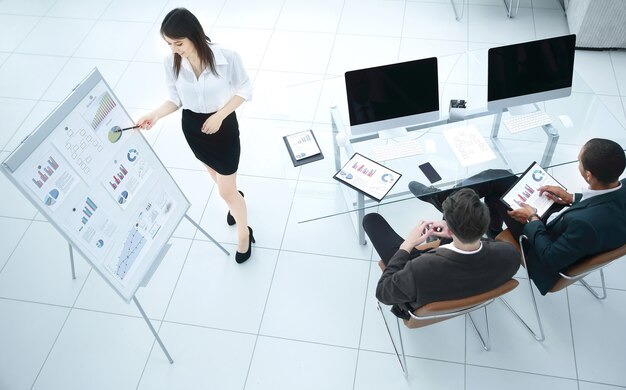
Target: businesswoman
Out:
[209,82]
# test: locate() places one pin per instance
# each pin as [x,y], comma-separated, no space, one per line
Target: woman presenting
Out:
[209,82]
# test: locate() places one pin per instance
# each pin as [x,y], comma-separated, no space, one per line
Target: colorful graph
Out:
[88,209]
[47,172]
[538,175]
[114,134]
[52,197]
[105,106]
[118,177]
[132,155]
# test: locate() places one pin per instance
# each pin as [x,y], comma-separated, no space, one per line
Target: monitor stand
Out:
[392,133]
[523,109]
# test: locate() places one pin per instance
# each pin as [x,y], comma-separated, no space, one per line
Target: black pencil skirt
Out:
[220,150]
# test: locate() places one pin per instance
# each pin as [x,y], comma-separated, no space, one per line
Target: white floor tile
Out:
[262,140]
[597,386]
[284,96]
[16,75]
[298,51]
[77,69]
[197,187]
[249,43]
[98,351]
[414,48]
[14,28]
[14,111]
[78,9]
[249,14]
[13,230]
[35,116]
[133,10]
[550,23]
[373,18]
[334,236]
[26,340]
[275,366]
[154,298]
[18,7]
[596,70]
[598,335]
[352,52]
[324,307]
[142,86]
[45,37]
[203,358]
[41,272]
[490,24]
[513,348]
[267,201]
[483,378]
[14,203]
[109,40]
[215,291]
[433,21]
[318,16]
[618,58]
[382,371]
[172,148]
[615,107]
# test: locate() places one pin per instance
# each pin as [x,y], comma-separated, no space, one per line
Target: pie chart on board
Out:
[115,134]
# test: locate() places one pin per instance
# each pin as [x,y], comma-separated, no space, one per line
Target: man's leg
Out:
[385,240]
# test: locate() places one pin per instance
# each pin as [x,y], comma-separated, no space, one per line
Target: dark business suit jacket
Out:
[588,227]
[442,274]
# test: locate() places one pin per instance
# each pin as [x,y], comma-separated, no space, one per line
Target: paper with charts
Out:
[468,145]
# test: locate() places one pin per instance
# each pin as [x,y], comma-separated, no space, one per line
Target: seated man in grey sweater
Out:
[463,265]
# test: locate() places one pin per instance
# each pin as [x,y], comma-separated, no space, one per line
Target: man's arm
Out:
[397,285]
[577,241]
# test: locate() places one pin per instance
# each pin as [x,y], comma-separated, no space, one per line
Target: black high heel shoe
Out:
[241,257]
[229,218]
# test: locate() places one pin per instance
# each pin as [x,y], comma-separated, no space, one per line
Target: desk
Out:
[463,76]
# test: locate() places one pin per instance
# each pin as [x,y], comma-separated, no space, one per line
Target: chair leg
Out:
[592,290]
[509,9]
[541,336]
[401,359]
[486,340]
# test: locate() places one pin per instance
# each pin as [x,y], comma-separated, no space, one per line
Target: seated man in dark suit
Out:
[578,225]
[462,266]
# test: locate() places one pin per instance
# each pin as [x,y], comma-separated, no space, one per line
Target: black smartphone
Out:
[430,172]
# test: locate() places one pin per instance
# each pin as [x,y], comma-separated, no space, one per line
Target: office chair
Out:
[434,312]
[573,273]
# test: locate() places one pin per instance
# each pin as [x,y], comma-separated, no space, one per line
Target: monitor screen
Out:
[395,95]
[530,72]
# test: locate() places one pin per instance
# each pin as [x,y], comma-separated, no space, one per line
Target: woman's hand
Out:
[147,121]
[557,194]
[213,123]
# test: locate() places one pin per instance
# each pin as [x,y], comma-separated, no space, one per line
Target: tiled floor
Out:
[301,313]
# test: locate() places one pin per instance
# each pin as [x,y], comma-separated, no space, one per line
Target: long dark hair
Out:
[179,23]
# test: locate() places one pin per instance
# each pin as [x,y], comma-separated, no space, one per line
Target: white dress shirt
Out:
[208,93]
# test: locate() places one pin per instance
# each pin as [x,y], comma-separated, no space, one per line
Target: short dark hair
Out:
[604,158]
[181,23]
[467,217]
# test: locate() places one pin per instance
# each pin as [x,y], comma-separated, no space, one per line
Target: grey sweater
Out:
[442,274]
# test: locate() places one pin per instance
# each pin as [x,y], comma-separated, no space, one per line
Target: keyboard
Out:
[395,150]
[522,122]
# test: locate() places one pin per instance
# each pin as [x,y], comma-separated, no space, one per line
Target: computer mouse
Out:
[566,121]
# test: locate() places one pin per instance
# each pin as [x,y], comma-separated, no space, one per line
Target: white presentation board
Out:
[103,189]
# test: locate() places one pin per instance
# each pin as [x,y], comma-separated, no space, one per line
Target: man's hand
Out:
[418,235]
[521,214]
[440,229]
[557,194]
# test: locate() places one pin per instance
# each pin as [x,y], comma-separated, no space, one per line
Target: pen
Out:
[129,128]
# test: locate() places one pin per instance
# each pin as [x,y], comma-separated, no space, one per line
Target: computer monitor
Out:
[530,72]
[392,96]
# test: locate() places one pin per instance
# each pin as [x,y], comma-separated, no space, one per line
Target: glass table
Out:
[464,76]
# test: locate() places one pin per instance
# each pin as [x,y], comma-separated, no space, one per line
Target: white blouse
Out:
[208,93]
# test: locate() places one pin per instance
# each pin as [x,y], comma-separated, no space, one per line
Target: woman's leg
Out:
[227,185]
